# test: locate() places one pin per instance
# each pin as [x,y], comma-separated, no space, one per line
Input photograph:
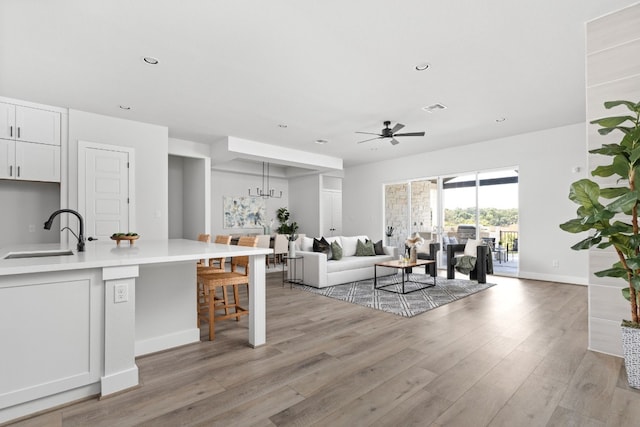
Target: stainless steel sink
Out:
[38,254]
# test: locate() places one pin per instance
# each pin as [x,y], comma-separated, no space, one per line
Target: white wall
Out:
[151,169]
[176,202]
[545,160]
[193,216]
[237,184]
[27,204]
[192,206]
[305,203]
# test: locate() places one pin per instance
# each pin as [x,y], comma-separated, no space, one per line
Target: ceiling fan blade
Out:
[410,134]
[397,127]
[394,141]
[370,133]
[367,140]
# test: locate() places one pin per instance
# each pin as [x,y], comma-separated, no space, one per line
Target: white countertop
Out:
[106,254]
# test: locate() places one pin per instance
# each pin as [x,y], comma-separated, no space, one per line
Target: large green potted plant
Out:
[614,224]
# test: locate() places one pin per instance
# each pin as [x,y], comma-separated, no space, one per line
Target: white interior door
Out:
[104,190]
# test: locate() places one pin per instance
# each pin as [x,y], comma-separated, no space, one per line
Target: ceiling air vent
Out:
[434,107]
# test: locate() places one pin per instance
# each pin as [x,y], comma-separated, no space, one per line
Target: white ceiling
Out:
[324,68]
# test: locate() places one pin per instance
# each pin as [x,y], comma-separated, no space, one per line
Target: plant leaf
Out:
[612,122]
[587,243]
[585,192]
[610,193]
[608,150]
[575,226]
[623,203]
[612,272]
[626,293]
[630,105]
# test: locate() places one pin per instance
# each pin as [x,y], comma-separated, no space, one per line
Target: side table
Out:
[292,263]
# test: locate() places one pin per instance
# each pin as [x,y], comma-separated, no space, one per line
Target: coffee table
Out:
[404,266]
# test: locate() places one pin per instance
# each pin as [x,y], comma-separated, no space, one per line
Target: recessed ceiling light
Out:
[423,66]
[124,107]
[501,119]
[282,125]
[434,107]
[150,60]
[320,141]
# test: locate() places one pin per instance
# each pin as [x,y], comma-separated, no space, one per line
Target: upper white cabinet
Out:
[28,124]
[29,143]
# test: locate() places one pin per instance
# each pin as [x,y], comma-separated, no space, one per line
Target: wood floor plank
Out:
[590,391]
[334,396]
[532,405]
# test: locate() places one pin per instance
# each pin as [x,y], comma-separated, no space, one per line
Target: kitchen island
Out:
[72,325]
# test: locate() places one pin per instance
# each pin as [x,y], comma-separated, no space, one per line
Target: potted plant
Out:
[288,228]
[615,224]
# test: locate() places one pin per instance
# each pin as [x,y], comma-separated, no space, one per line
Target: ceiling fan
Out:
[390,133]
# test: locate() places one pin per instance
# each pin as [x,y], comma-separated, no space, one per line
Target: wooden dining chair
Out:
[211,282]
[264,241]
[206,238]
[280,247]
[220,262]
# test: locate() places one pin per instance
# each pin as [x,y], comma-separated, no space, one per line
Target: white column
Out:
[120,370]
[257,301]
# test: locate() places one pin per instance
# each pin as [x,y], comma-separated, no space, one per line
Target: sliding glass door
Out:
[453,209]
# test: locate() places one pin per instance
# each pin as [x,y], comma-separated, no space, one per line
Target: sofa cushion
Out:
[336,251]
[349,244]
[306,244]
[355,262]
[322,246]
[471,247]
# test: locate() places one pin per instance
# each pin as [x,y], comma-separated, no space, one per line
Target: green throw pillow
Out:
[336,251]
[365,249]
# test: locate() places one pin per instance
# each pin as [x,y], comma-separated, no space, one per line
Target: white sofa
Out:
[321,272]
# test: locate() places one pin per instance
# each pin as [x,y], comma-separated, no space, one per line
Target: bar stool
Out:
[209,282]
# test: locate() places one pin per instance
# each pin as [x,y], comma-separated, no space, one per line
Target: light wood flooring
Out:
[513,355]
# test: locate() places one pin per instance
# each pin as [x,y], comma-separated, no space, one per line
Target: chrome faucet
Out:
[47,225]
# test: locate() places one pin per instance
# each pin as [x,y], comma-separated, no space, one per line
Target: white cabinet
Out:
[331,221]
[28,124]
[29,143]
[25,161]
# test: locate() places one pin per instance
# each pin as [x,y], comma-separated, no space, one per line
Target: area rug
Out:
[406,305]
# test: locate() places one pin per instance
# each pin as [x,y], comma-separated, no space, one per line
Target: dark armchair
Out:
[480,272]
[432,255]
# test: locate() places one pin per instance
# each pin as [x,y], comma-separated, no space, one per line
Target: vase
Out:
[631,352]
[413,254]
[292,249]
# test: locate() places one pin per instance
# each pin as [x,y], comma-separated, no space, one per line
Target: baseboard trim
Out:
[168,341]
[573,280]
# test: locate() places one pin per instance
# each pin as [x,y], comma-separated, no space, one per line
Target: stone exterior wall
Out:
[421,209]
[396,213]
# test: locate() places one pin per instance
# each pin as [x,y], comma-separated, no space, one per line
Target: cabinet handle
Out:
[11,131]
[11,170]
[18,132]
[18,175]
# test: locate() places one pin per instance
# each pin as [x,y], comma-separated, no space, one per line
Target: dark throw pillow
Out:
[322,246]
[378,248]
[365,248]
[336,251]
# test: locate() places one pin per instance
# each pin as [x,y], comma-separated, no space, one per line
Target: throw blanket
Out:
[465,264]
